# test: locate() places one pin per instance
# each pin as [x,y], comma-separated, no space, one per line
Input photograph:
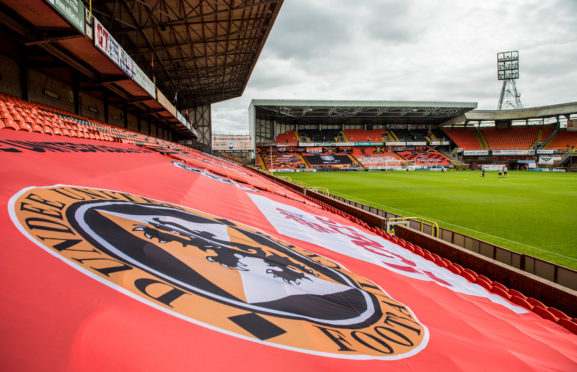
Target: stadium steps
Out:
[539,141]
[355,161]
[392,133]
[261,162]
[304,160]
[344,136]
[481,139]
[386,135]
[452,157]
[550,139]
[566,157]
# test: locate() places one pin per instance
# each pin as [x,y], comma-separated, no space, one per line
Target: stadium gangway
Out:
[404,221]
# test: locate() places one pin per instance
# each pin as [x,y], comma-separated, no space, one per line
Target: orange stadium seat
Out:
[514,138]
[9,124]
[17,114]
[464,138]
[563,140]
[362,135]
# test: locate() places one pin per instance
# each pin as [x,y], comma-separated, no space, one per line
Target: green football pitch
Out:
[529,212]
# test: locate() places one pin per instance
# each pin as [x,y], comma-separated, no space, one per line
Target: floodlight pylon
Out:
[510,96]
[508,71]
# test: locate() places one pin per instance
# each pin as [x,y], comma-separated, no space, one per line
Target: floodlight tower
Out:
[508,71]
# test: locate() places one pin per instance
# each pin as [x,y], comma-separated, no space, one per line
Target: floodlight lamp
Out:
[508,65]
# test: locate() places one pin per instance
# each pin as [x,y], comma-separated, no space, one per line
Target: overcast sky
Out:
[421,50]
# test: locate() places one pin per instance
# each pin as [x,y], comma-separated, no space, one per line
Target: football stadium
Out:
[337,235]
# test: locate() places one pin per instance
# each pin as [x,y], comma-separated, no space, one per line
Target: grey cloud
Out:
[390,21]
[305,29]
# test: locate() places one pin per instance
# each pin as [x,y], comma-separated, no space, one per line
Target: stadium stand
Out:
[197,190]
[312,135]
[231,157]
[515,138]
[464,138]
[402,135]
[123,251]
[437,135]
[419,134]
[428,158]
[371,159]
[289,138]
[362,135]
[563,140]
[327,160]
[18,114]
[283,161]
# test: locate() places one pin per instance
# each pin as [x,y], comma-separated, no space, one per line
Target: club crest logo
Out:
[218,273]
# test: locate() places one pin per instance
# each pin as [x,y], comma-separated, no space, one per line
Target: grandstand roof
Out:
[203,50]
[206,50]
[524,113]
[404,112]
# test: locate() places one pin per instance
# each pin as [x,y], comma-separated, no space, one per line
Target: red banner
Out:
[118,257]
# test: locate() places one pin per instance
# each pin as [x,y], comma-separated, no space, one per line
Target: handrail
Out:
[322,190]
[391,222]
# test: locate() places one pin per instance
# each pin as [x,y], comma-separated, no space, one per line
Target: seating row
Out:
[18,114]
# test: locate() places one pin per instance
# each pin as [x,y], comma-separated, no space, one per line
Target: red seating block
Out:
[558,313]
[472,273]
[521,302]
[497,284]
[568,324]
[468,276]
[484,284]
[517,293]
[501,292]
[454,268]
[9,124]
[536,303]
[545,314]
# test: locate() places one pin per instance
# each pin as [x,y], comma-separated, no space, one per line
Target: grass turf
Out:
[529,212]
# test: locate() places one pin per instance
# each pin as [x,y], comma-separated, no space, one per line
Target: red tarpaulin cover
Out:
[117,257]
